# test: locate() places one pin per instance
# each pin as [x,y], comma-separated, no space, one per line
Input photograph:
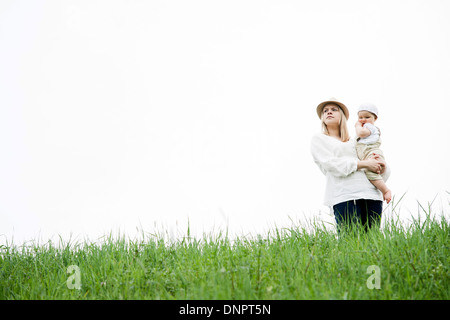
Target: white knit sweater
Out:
[338,162]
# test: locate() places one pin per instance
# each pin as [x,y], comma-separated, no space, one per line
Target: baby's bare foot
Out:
[387,196]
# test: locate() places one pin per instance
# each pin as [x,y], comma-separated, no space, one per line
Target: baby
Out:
[368,143]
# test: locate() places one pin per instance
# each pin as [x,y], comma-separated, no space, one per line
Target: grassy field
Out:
[395,263]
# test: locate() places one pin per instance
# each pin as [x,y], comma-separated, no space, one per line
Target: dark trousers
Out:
[361,212]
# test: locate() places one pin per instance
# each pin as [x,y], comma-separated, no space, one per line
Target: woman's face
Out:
[331,114]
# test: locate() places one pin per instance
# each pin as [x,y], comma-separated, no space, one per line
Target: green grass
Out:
[292,263]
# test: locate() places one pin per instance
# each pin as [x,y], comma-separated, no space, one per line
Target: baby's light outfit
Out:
[366,147]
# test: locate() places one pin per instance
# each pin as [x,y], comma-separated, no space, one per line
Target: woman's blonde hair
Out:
[343,129]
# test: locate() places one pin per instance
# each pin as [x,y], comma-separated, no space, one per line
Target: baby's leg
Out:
[380,185]
[377,180]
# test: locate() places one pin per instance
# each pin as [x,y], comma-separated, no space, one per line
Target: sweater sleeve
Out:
[387,173]
[329,162]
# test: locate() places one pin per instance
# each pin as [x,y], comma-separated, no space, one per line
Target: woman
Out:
[348,192]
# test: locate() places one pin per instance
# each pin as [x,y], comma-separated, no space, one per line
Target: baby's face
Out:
[366,117]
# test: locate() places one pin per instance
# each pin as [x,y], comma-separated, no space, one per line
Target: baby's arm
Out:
[361,132]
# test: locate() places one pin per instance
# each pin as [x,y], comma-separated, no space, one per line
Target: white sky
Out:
[125,114]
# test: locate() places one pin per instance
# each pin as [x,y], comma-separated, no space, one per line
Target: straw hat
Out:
[334,101]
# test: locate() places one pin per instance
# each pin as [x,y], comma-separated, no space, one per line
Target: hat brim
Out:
[323,104]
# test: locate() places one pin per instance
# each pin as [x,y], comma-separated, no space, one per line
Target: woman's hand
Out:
[381,161]
[374,164]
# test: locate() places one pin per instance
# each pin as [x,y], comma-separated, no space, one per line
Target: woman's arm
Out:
[328,162]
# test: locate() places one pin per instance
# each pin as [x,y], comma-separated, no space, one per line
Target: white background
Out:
[118,116]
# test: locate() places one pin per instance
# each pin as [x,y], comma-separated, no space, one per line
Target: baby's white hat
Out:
[369,107]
